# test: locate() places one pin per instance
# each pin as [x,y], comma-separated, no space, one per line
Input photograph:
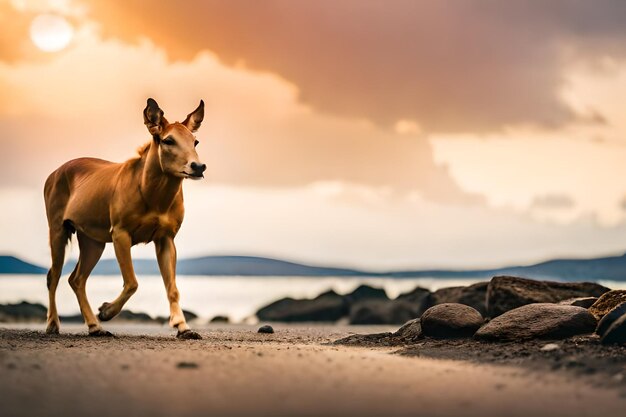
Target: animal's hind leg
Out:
[58,240]
[90,252]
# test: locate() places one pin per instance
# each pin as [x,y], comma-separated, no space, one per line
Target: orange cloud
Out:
[88,101]
[452,67]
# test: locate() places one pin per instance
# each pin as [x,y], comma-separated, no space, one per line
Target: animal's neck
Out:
[158,189]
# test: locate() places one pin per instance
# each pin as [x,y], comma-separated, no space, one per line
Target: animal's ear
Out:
[194,119]
[153,118]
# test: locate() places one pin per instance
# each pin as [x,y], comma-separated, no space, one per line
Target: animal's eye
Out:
[195,143]
[168,141]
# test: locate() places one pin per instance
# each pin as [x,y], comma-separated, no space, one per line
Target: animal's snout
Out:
[198,169]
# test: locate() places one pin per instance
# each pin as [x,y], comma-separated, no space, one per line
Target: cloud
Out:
[88,100]
[470,65]
[553,201]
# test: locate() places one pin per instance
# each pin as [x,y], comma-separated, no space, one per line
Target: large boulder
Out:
[450,321]
[384,311]
[417,295]
[131,316]
[538,321]
[472,295]
[327,307]
[365,292]
[22,312]
[610,317]
[505,293]
[607,302]
[616,333]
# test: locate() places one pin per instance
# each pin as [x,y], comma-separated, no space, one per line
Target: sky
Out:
[365,133]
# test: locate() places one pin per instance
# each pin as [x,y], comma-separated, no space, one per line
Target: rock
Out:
[74,318]
[127,315]
[266,329]
[384,311]
[549,347]
[187,365]
[189,316]
[220,319]
[609,318]
[607,302]
[418,296]
[505,293]
[365,292]
[472,295]
[616,333]
[584,302]
[410,331]
[22,312]
[538,321]
[328,306]
[373,339]
[450,321]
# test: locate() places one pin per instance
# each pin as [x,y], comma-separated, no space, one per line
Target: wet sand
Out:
[234,371]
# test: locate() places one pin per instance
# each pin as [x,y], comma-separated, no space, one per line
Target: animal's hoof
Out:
[100,333]
[53,328]
[188,335]
[105,314]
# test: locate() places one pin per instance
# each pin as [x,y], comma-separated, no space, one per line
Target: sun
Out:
[50,32]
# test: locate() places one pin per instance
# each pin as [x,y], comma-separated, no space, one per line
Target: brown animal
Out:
[137,201]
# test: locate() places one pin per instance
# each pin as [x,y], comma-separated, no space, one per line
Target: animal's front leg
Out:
[166,256]
[122,243]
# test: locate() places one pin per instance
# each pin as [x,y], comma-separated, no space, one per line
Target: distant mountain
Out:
[607,268]
[224,265]
[13,265]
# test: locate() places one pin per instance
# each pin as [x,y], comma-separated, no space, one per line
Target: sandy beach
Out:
[234,371]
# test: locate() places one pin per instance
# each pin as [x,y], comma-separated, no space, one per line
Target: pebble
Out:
[550,347]
[266,329]
[186,365]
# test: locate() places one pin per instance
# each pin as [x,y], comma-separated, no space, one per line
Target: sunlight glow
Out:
[51,33]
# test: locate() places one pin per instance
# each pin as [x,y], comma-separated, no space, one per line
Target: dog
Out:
[137,201]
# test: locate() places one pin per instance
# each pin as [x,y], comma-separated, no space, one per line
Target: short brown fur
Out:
[137,201]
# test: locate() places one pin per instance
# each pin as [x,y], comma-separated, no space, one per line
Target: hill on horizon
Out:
[593,269]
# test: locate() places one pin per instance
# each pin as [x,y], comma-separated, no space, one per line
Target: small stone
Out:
[266,329]
[549,347]
[187,365]
[220,319]
[410,331]
[584,302]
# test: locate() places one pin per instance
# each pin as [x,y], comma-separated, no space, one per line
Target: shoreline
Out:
[296,371]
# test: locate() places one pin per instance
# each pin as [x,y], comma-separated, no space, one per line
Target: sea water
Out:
[208,296]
